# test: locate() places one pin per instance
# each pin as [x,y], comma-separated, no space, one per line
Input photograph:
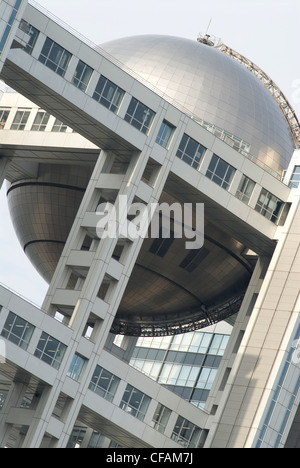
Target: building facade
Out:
[192,124]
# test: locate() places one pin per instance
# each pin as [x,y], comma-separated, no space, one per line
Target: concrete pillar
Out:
[265,351]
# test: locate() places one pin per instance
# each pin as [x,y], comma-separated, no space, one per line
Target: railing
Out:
[165,96]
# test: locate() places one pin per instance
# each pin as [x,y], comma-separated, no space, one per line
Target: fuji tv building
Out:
[155,119]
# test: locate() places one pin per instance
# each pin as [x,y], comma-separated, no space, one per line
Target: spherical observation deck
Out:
[171,289]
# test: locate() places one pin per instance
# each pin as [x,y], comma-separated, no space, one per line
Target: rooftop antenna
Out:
[206,32]
[205,39]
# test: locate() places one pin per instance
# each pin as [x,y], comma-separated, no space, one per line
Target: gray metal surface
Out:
[212,86]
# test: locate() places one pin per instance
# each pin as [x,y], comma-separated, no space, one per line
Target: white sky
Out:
[265,31]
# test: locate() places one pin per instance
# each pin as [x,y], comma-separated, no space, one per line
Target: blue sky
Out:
[265,31]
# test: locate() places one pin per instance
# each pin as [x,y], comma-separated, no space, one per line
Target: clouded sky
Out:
[265,31]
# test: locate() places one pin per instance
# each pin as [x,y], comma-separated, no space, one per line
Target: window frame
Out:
[40,126]
[82,80]
[295,182]
[109,392]
[108,94]
[179,433]
[185,152]
[245,190]
[132,116]
[55,57]
[4,114]
[32,32]
[42,351]
[165,134]
[77,367]
[222,176]
[138,411]
[9,330]
[263,206]
[20,119]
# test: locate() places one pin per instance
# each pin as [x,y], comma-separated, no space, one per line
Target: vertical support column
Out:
[100,292]
[266,344]
[13,400]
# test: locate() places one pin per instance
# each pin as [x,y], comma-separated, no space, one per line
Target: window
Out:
[20,120]
[161,418]
[32,32]
[4,113]
[270,206]
[108,94]
[206,378]
[40,121]
[139,116]
[55,57]
[245,190]
[218,345]
[50,350]
[96,440]
[82,76]
[190,151]
[76,367]
[17,330]
[165,134]
[104,383]
[58,126]
[220,172]
[186,434]
[76,438]
[295,179]
[135,402]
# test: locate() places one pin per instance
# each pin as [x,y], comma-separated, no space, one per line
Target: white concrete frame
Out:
[258,350]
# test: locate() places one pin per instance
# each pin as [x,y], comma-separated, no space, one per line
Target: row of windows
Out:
[19,332]
[141,117]
[136,403]
[193,342]
[104,383]
[21,118]
[187,361]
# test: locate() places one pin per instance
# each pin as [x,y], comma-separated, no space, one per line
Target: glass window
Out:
[76,438]
[32,32]
[135,402]
[165,134]
[245,190]
[206,378]
[58,126]
[50,350]
[96,440]
[20,119]
[190,151]
[108,94]
[3,397]
[76,367]
[82,76]
[4,113]
[40,121]
[220,172]
[17,330]
[270,206]
[139,116]
[218,345]
[161,418]
[104,383]
[55,57]
[186,434]
[295,179]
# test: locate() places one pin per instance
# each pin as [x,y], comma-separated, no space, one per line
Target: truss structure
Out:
[269,84]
